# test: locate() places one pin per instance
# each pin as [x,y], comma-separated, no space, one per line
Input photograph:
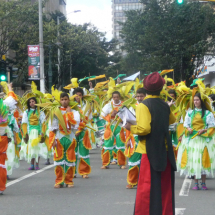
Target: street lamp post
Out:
[42,81]
[58,51]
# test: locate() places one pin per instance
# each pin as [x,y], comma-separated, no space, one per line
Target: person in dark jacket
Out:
[155,190]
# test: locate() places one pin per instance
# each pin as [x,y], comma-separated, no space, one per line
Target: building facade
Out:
[54,5]
[118,15]
[207,71]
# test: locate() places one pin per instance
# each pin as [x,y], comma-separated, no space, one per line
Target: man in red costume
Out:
[155,190]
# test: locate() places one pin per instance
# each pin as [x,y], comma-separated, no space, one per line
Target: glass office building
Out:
[52,6]
[118,9]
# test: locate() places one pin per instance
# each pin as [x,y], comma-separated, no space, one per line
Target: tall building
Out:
[54,5]
[118,15]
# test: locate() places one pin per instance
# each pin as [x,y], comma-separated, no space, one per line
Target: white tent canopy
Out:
[132,77]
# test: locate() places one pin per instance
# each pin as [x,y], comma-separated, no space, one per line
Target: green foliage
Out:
[84,50]
[166,35]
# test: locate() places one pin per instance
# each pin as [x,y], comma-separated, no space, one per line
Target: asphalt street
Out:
[104,193]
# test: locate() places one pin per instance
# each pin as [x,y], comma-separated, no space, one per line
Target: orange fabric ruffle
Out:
[3,178]
[70,117]
[132,177]
[84,168]
[102,151]
[69,175]
[121,159]
[59,172]
[60,151]
[70,153]
[3,144]
[107,118]
[130,151]
[51,138]
[108,132]
[86,140]
[122,135]
[16,114]
[12,94]
[106,158]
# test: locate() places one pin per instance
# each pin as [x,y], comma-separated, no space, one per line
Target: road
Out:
[104,193]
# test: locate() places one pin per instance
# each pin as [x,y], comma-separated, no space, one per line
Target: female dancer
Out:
[32,123]
[197,150]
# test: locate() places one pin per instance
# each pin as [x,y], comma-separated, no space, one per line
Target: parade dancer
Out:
[5,135]
[83,137]
[109,113]
[196,152]
[12,161]
[155,190]
[91,89]
[32,146]
[50,150]
[62,139]
[173,132]
[132,143]
[12,156]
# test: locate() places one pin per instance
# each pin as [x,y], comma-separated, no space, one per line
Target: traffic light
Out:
[3,71]
[180,1]
[11,73]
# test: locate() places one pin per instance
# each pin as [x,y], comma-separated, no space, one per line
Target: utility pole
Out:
[70,65]
[42,78]
[58,51]
[50,67]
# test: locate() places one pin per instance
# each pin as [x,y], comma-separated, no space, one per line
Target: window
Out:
[118,27]
[125,1]
[62,2]
[119,14]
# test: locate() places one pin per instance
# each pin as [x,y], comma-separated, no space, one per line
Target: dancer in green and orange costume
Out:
[132,143]
[109,113]
[62,138]
[5,134]
[83,136]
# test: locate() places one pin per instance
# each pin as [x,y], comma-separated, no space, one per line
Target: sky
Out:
[97,12]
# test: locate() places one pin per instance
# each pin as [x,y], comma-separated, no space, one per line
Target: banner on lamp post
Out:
[33,62]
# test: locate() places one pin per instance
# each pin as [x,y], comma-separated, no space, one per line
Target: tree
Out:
[166,35]
[84,50]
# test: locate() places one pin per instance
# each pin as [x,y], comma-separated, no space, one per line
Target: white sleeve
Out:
[42,117]
[25,117]
[210,121]
[10,102]
[54,124]
[76,118]
[187,121]
[106,110]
